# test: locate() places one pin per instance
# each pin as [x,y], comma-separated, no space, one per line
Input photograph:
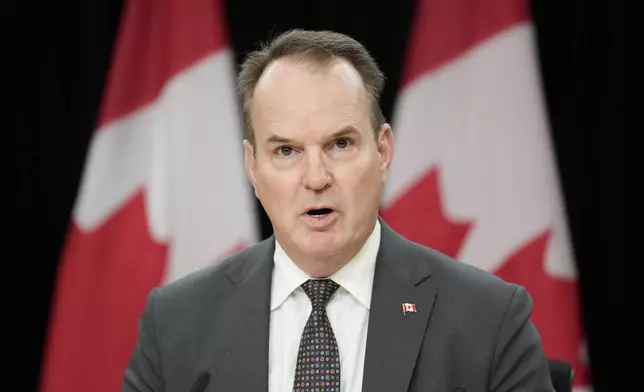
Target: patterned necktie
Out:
[318,361]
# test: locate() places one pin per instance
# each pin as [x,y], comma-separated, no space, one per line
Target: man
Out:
[335,300]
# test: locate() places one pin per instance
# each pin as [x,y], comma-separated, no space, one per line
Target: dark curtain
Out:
[64,48]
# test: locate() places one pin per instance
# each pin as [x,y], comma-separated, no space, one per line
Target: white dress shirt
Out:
[348,311]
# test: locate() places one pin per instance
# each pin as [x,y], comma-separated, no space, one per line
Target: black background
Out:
[64,48]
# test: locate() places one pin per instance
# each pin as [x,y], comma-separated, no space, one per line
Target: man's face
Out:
[317,168]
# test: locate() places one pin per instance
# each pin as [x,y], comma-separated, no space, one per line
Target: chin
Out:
[320,244]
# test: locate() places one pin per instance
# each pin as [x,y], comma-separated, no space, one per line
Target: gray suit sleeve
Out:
[143,372]
[519,363]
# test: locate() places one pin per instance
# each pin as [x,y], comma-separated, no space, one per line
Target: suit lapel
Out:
[243,364]
[394,337]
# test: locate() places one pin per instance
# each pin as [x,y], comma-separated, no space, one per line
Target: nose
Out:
[317,176]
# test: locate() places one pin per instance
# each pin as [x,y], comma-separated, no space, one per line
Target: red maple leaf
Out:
[556,303]
[419,216]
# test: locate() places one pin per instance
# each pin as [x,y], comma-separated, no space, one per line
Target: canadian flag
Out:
[408,308]
[474,174]
[163,192]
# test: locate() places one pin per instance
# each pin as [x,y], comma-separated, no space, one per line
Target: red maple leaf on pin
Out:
[419,216]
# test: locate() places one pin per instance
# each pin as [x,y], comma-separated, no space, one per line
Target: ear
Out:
[250,163]
[385,148]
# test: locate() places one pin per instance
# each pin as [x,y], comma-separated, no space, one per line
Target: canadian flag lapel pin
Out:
[408,308]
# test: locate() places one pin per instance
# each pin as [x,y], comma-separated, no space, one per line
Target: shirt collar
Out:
[287,276]
[356,276]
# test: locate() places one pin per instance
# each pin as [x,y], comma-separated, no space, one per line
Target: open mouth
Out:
[319,212]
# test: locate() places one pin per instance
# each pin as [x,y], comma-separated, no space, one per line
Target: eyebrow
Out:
[348,130]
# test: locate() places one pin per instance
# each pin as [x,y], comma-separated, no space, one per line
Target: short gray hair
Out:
[320,47]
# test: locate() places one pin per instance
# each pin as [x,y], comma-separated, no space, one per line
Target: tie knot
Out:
[319,291]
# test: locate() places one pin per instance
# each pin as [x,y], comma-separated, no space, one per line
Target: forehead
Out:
[295,98]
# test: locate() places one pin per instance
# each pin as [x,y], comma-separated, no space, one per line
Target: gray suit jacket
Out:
[471,331]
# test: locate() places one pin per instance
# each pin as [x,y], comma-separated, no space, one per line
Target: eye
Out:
[285,150]
[342,143]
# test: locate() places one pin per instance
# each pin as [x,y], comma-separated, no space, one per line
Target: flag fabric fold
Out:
[163,192]
[474,174]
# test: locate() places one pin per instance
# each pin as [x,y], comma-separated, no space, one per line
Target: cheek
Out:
[276,187]
[360,183]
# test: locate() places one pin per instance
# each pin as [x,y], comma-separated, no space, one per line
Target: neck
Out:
[324,265]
